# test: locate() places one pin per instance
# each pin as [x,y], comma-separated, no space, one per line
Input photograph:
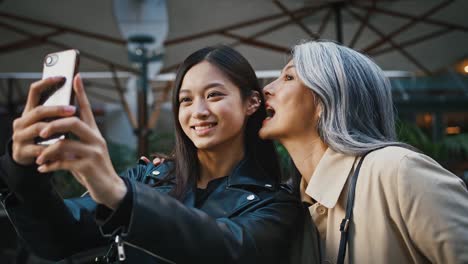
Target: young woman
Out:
[219,201]
[329,107]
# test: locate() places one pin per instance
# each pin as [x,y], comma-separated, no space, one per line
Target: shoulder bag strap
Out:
[344,226]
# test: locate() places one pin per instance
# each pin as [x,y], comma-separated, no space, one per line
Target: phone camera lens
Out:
[50,60]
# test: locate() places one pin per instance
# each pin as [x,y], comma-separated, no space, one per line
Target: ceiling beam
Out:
[29,42]
[324,22]
[413,41]
[153,120]
[362,25]
[394,45]
[411,23]
[235,26]
[296,20]
[407,16]
[280,25]
[63,28]
[256,43]
[300,13]
[64,46]
[123,101]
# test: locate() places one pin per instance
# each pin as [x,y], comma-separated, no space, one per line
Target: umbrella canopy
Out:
[422,36]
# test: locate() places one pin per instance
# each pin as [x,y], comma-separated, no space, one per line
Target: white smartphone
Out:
[63,63]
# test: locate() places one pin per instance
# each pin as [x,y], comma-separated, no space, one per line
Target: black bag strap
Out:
[344,226]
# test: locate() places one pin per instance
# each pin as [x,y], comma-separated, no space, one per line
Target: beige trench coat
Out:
[407,209]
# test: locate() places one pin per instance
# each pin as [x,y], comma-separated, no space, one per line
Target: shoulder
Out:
[402,161]
[390,160]
[392,155]
[404,169]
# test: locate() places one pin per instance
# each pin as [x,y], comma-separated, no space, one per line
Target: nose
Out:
[269,89]
[200,110]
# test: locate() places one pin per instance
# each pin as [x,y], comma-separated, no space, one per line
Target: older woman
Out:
[329,108]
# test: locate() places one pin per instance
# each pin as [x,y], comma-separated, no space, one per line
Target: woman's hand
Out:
[27,127]
[87,158]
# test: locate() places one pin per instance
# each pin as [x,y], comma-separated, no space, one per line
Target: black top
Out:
[202,194]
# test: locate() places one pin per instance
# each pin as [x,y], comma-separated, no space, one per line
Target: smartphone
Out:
[63,63]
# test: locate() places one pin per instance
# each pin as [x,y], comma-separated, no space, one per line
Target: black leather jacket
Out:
[244,220]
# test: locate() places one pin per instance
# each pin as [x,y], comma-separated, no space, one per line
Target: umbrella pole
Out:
[141,57]
[338,22]
[143,107]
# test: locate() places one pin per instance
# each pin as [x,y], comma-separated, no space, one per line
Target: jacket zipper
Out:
[121,249]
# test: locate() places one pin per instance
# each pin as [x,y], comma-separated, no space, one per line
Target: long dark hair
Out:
[240,73]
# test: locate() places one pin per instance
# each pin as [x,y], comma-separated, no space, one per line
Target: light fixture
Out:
[453,130]
[462,66]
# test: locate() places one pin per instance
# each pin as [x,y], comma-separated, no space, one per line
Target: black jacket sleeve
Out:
[167,228]
[50,226]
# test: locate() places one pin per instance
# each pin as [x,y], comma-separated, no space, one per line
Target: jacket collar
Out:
[249,172]
[329,178]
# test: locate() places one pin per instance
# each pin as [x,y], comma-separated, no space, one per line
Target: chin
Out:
[265,133]
[203,145]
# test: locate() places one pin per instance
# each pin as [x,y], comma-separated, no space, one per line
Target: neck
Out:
[217,163]
[306,152]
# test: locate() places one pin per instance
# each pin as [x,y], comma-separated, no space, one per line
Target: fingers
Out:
[27,127]
[157,161]
[25,155]
[42,112]
[37,88]
[64,150]
[86,111]
[62,164]
[71,125]
[28,133]
[145,159]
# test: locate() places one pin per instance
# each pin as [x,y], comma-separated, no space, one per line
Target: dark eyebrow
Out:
[288,67]
[208,86]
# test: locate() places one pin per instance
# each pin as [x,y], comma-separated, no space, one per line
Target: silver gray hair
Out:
[354,97]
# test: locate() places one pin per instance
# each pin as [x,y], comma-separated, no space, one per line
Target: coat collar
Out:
[246,173]
[249,172]
[329,178]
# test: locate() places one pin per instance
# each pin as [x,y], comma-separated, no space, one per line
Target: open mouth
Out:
[202,127]
[270,112]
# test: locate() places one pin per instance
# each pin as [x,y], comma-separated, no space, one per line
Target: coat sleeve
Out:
[52,227]
[167,228]
[434,205]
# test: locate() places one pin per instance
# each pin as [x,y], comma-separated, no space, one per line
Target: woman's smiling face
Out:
[291,107]
[211,110]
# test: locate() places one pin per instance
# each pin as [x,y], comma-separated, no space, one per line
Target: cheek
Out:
[183,119]
[232,114]
[297,105]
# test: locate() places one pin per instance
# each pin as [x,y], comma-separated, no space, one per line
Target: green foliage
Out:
[285,160]
[122,156]
[66,184]
[453,148]
[162,143]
